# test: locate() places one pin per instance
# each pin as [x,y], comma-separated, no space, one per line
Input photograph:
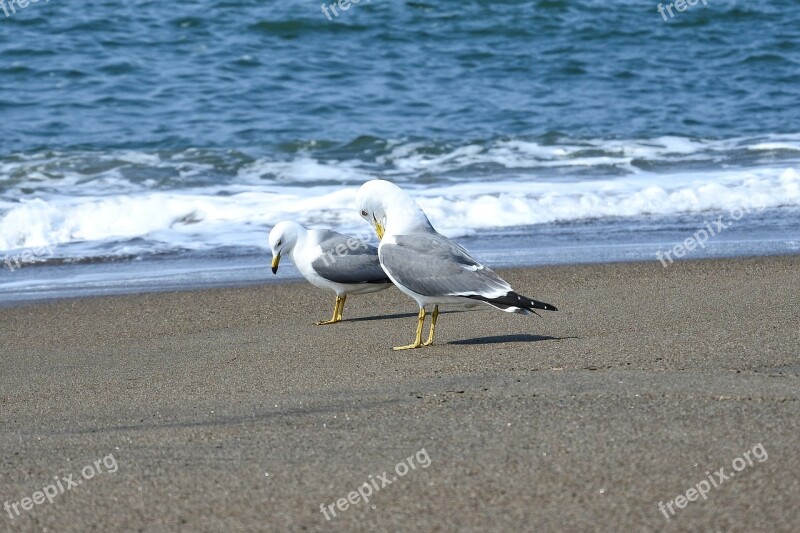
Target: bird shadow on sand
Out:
[398,315]
[503,339]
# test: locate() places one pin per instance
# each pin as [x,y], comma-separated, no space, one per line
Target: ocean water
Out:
[148,143]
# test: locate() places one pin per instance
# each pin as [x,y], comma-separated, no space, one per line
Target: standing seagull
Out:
[329,260]
[427,266]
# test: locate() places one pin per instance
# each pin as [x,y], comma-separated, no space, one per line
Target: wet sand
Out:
[228,410]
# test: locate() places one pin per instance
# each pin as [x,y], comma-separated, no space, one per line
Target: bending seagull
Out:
[329,260]
[427,266]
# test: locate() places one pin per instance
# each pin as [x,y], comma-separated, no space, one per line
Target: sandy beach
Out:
[227,409]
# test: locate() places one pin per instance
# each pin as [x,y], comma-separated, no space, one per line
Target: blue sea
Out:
[152,145]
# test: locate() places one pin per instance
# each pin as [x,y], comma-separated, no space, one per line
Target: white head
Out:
[282,239]
[389,209]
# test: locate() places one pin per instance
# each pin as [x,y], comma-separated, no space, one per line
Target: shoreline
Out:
[252,274]
[613,240]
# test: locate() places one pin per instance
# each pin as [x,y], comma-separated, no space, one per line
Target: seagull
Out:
[427,266]
[329,260]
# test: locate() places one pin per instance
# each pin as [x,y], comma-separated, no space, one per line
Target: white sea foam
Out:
[203,218]
[120,202]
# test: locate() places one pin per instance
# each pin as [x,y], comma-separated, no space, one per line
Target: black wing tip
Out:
[381,281]
[512,299]
[530,304]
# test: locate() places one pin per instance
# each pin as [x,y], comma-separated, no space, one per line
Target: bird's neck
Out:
[403,219]
[300,236]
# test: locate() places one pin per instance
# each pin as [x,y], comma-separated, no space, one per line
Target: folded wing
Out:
[348,260]
[433,265]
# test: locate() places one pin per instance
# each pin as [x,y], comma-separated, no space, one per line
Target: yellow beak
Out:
[379,229]
[275,262]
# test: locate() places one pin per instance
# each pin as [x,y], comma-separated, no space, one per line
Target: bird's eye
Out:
[363,213]
[280,242]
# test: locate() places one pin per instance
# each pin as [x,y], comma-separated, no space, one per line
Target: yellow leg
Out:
[341,308]
[337,314]
[434,316]
[418,339]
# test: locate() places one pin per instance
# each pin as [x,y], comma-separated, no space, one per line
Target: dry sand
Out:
[582,420]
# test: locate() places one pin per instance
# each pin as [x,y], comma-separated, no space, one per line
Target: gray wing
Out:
[433,265]
[348,260]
